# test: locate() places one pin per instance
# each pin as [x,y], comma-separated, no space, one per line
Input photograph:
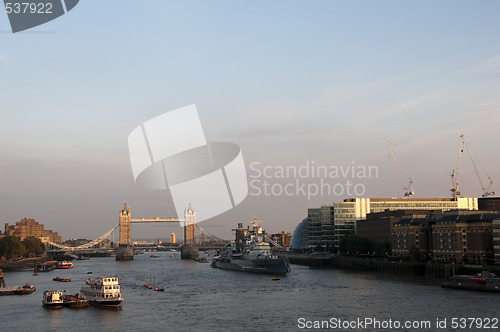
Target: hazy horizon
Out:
[290,82]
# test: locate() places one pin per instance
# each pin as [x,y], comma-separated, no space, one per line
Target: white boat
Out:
[52,299]
[103,291]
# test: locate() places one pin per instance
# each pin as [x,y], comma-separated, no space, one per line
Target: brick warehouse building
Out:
[378,226]
[454,236]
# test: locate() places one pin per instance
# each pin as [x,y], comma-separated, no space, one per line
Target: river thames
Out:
[200,298]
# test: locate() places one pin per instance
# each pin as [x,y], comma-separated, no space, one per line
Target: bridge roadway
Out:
[162,248]
[157,219]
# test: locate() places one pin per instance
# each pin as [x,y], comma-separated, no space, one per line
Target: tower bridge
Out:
[125,250]
[189,249]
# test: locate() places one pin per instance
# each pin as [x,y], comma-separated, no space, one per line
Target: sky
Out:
[293,83]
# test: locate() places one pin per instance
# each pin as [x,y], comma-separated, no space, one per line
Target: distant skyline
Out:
[290,82]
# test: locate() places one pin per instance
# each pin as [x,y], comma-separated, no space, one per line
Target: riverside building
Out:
[325,226]
[458,236]
[173,238]
[30,228]
[496,240]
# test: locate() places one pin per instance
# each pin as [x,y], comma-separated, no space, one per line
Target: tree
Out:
[383,250]
[355,245]
[34,246]
[331,249]
[10,246]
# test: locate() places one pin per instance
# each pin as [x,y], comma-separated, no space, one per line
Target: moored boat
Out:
[64,265]
[52,299]
[75,301]
[26,289]
[251,252]
[8,290]
[202,260]
[61,279]
[45,266]
[16,290]
[103,291]
[149,283]
[484,281]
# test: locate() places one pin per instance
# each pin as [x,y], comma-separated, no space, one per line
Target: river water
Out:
[200,298]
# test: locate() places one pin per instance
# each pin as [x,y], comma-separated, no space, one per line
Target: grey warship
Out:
[251,252]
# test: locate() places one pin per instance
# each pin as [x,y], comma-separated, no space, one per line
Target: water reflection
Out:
[199,298]
[54,316]
[108,318]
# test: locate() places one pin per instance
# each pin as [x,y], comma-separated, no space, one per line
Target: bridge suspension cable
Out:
[86,245]
[207,236]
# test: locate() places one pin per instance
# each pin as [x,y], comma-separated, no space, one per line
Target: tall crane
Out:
[408,190]
[455,175]
[455,193]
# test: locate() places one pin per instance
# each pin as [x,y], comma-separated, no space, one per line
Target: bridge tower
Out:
[125,217]
[189,249]
[124,252]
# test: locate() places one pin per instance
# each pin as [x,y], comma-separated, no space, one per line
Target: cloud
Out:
[448,99]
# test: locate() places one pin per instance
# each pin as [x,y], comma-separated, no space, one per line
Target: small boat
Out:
[484,281]
[149,283]
[154,256]
[75,301]
[26,289]
[276,278]
[64,265]
[61,279]
[89,272]
[156,288]
[202,260]
[52,299]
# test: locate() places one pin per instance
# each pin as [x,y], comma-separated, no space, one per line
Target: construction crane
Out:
[408,190]
[455,193]
[455,175]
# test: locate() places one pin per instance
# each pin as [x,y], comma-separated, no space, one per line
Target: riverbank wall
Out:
[19,265]
[428,269]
